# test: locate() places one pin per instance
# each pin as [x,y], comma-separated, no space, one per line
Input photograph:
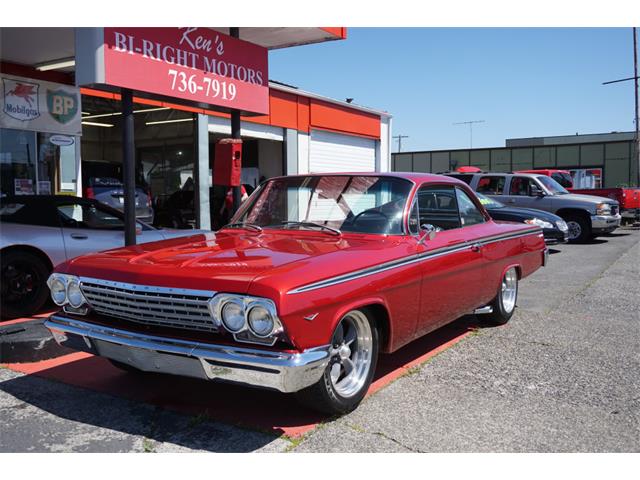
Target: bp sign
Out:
[63,105]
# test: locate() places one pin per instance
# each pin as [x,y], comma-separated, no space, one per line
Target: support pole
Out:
[635,90]
[235,133]
[129,168]
[201,173]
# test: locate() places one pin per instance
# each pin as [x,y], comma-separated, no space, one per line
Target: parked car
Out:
[563,177]
[37,232]
[315,276]
[110,191]
[627,197]
[178,211]
[586,216]
[555,229]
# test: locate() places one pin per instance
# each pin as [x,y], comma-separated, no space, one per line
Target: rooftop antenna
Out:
[400,137]
[470,123]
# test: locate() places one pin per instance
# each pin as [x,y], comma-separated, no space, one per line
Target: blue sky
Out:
[522,82]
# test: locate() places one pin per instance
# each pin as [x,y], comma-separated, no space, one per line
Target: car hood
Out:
[577,197]
[176,233]
[231,261]
[523,214]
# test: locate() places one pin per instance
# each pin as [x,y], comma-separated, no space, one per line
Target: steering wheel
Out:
[375,212]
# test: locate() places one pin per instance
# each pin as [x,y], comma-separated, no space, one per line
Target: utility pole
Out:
[637,109]
[400,137]
[470,123]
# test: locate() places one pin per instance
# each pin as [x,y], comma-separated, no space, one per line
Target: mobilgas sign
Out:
[198,65]
[28,104]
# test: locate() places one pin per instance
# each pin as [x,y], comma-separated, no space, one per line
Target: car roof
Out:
[416,177]
[520,174]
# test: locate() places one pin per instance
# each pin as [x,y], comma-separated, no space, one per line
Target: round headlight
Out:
[233,316]
[539,222]
[58,290]
[260,322]
[74,295]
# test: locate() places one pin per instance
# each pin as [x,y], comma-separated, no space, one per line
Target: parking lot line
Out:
[254,409]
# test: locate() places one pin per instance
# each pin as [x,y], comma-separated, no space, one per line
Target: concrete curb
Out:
[28,341]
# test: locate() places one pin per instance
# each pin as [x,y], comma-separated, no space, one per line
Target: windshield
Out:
[550,184]
[563,178]
[489,203]
[351,203]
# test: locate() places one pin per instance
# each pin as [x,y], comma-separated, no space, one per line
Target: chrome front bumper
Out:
[283,371]
[605,222]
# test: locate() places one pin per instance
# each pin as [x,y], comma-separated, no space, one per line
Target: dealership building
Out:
[600,160]
[62,118]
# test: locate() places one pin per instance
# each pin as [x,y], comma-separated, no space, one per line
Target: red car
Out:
[316,276]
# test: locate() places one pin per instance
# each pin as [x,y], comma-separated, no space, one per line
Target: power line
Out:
[470,123]
[400,137]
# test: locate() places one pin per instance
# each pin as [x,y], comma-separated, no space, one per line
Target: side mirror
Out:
[536,191]
[428,232]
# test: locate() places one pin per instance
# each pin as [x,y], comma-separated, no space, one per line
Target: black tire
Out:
[579,228]
[125,367]
[501,315]
[23,288]
[323,396]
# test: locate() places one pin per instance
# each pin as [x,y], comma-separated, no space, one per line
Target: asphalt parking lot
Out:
[563,375]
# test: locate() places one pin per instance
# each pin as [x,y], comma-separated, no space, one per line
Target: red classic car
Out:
[315,276]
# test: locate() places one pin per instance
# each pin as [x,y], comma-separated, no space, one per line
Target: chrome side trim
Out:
[402,262]
[283,371]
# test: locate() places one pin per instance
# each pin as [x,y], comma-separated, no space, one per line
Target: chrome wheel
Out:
[575,229]
[351,355]
[509,290]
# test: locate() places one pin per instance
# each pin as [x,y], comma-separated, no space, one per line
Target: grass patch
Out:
[148,446]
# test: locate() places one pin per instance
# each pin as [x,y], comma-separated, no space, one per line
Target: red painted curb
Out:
[39,316]
[251,408]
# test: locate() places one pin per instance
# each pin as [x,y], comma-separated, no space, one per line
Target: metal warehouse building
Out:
[594,160]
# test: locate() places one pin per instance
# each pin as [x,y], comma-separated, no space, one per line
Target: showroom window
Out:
[34,163]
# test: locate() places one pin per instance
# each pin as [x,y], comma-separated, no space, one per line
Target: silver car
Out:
[110,191]
[586,216]
[37,232]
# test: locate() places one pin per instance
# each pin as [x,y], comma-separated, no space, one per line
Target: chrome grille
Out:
[150,305]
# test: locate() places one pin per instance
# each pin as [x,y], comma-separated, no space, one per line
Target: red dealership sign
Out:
[194,64]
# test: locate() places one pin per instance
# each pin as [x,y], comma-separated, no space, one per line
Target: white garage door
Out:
[334,152]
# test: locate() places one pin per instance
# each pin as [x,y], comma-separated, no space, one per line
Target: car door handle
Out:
[79,236]
[476,247]
[512,200]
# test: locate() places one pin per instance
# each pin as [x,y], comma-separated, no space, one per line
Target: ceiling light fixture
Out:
[56,64]
[170,121]
[102,115]
[97,124]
